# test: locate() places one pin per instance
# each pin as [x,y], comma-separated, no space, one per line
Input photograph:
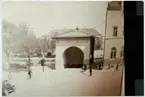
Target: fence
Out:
[21,63]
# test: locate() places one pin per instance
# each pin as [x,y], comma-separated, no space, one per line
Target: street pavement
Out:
[66,82]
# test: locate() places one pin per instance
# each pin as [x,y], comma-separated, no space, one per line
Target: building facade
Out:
[73,49]
[114,32]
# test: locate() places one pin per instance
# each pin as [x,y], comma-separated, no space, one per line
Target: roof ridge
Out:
[65,32]
[84,31]
[72,30]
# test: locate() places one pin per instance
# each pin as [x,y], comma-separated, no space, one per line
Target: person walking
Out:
[100,65]
[90,71]
[29,73]
[109,66]
[42,63]
[117,66]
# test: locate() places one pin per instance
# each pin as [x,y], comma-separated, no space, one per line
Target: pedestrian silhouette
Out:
[109,66]
[42,63]
[85,67]
[117,66]
[90,72]
[100,65]
[29,73]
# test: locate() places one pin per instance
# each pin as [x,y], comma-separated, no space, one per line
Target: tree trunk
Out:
[43,57]
[29,63]
[8,59]
[43,68]
[8,54]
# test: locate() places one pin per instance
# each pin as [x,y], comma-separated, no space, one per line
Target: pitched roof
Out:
[73,34]
[77,33]
[91,31]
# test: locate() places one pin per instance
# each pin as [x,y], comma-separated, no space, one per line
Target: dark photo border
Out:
[134,49]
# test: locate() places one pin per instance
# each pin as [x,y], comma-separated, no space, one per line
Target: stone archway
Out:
[73,57]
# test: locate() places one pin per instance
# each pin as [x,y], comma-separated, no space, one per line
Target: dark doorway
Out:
[73,57]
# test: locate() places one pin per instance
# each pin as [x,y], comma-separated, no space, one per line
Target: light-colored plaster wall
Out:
[63,44]
[118,43]
[114,18]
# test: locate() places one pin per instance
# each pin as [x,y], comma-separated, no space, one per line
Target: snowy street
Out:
[66,82]
[64,37]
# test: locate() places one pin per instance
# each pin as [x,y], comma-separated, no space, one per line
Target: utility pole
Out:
[91,57]
[105,32]
[42,64]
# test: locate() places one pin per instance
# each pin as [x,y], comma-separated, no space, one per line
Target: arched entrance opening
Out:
[73,57]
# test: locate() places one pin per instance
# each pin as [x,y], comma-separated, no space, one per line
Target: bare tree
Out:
[28,42]
[9,31]
[49,41]
[98,43]
[43,45]
[53,41]
[18,39]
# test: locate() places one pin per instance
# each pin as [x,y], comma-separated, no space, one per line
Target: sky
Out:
[46,16]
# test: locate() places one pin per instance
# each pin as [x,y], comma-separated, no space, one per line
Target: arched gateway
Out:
[73,49]
[73,57]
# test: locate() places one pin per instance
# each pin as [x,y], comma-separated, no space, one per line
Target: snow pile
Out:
[98,53]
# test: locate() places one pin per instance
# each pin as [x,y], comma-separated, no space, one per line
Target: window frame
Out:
[113,53]
[115,30]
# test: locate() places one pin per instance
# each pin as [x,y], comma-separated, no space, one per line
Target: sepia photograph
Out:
[62,48]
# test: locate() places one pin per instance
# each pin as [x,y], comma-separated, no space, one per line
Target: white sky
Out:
[46,16]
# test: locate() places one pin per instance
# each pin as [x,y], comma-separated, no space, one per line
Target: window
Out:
[113,53]
[115,30]
[122,51]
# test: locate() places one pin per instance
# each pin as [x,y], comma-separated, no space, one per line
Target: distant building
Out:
[114,34]
[88,31]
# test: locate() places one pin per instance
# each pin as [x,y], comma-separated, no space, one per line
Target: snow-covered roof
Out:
[73,34]
[77,33]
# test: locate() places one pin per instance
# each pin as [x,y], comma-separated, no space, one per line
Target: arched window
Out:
[122,52]
[113,52]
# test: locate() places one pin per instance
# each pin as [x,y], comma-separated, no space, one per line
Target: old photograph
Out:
[62,48]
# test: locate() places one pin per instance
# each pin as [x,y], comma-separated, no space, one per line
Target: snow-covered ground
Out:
[66,82]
